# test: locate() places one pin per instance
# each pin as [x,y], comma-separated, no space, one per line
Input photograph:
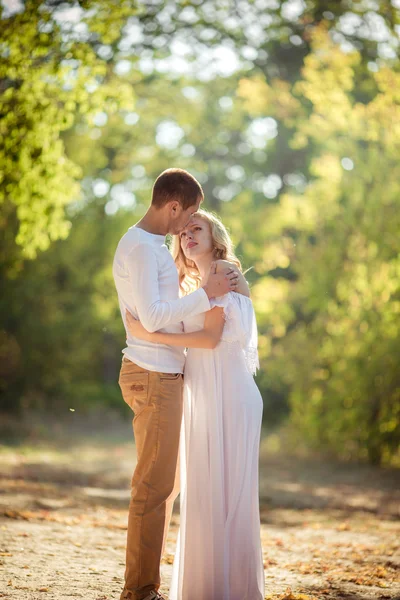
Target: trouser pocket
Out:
[135,389]
[170,376]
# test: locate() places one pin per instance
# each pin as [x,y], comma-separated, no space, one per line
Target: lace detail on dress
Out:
[252,360]
[240,329]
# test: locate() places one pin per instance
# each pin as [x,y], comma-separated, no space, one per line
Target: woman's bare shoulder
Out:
[225,264]
[243,287]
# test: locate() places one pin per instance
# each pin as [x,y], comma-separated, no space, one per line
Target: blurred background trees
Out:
[289,115]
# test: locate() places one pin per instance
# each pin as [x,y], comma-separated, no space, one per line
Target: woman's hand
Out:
[136,328]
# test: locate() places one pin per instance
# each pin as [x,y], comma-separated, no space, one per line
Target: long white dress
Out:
[219,555]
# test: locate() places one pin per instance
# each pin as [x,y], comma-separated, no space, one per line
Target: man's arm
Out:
[152,311]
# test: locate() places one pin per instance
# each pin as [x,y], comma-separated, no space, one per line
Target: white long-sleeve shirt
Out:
[147,284]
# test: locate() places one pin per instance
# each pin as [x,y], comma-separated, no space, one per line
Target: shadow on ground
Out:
[328,530]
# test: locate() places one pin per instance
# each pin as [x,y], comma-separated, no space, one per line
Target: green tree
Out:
[337,345]
[51,74]
[296,147]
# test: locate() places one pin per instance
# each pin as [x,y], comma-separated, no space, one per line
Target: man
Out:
[151,377]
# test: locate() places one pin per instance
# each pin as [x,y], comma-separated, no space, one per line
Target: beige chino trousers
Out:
[156,400]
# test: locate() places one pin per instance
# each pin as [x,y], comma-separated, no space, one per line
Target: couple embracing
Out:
[198,299]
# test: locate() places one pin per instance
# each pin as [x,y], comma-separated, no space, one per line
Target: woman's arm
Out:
[208,337]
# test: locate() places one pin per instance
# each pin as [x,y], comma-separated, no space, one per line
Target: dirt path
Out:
[328,531]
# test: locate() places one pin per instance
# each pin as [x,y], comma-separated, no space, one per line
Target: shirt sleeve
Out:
[154,314]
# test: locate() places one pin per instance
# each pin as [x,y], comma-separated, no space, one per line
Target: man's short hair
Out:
[179,185]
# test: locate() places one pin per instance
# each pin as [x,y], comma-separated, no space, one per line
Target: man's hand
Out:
[136,328]
[221,283]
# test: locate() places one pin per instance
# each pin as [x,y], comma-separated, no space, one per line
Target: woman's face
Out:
[196,238]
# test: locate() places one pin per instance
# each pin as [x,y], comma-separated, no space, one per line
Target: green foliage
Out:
[50,77]
[297,150]
[339,238]
[66,330]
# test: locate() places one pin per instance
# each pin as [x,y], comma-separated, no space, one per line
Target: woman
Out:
[218,554]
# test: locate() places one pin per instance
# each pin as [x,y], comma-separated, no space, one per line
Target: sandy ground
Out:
[328,530]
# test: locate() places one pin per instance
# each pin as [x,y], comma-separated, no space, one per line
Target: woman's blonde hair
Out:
[189,276]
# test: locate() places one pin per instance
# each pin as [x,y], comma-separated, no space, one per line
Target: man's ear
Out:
[174,206]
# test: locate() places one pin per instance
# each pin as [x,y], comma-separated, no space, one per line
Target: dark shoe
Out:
[155,596]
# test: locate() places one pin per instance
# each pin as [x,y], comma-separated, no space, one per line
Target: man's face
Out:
[182,218]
